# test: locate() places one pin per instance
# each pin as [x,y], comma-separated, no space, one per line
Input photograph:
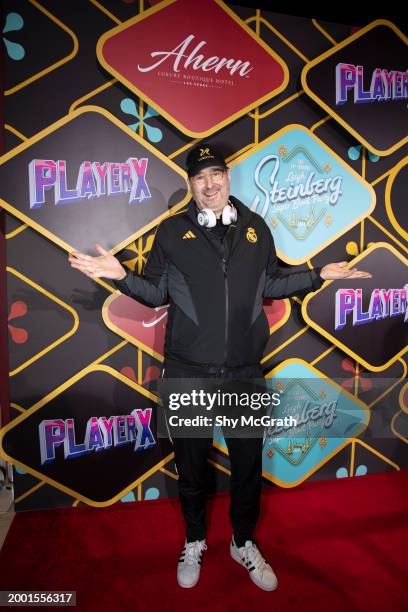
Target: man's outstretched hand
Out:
[335,271]
[105,265]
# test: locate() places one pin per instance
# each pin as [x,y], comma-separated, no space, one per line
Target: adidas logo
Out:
[188,234]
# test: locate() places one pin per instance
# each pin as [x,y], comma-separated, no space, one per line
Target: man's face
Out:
[211,188]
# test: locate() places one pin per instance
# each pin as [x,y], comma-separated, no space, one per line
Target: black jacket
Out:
[215,291]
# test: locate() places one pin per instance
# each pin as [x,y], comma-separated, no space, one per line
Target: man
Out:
[214,262]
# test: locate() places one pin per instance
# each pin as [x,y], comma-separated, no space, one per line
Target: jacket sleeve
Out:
[280,284]
[151,288]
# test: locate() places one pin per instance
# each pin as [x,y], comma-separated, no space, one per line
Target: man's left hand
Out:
[335,271]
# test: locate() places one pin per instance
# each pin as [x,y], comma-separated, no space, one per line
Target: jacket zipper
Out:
[224,268]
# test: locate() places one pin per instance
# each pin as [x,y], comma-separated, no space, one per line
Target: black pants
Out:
[192,466]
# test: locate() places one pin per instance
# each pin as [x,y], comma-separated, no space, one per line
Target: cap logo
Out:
[202,156]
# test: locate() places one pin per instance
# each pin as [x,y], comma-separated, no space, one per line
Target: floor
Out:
[337,545]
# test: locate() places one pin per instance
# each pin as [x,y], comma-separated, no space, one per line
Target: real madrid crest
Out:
[251,235]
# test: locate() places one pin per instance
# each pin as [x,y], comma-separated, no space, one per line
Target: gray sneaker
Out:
[259,570]
[188,569]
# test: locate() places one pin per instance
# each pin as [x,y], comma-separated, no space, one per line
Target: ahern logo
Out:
[186,54]
[197,63]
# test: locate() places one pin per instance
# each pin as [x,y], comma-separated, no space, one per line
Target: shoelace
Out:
[253,554]
[193,552]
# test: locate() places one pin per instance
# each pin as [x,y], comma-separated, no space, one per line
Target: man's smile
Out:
[211,195]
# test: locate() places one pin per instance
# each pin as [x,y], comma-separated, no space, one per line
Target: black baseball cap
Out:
[204,156]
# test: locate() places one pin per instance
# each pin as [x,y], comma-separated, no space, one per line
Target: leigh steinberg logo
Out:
[301,188]
[306,193]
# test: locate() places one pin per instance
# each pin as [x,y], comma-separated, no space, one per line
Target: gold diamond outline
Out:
[60,302]
[349,169]
[38,405]
[403,389]
[148,13]
[58,63]
[388,187]
[117,330]
[394,430]
[291,485]
[335,340]
[328,109]
[145,348]
[53,128]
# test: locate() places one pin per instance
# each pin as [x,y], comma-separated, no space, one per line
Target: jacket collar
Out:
[245,217]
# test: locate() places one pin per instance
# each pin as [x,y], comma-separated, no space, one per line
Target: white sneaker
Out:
[188,569]
[259,570]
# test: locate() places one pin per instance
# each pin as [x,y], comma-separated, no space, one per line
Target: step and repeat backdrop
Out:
[103,101]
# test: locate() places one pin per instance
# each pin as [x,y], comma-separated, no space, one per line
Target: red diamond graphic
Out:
[197,63]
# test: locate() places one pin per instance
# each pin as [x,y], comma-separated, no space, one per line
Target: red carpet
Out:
[335,545]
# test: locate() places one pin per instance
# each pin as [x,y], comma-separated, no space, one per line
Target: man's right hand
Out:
[105,266]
